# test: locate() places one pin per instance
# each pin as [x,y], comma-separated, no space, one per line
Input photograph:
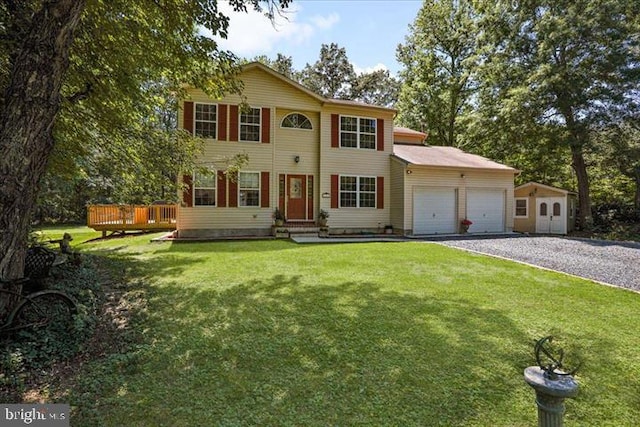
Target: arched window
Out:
[556,209]
[296,121]
[543,209]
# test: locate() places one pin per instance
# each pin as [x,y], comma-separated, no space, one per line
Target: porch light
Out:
[409,171]
[296,159]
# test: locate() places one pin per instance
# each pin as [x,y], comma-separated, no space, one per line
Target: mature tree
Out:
[76,69]
[621,144]
[376,88]
[282,64]
[439,59]
[331,75]
[567,64]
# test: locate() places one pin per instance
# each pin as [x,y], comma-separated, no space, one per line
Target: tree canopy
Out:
[86,83]
[527,82]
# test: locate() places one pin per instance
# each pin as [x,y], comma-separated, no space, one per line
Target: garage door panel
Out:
[434,211]
[486,209]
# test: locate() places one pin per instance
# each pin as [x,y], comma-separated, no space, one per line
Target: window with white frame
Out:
[296,121]
[357,192]
[205,120]
[204,188]
[249,188]
[250,125]
[358,132]
[521,207]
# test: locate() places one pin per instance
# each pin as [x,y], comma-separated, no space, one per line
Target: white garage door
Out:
[434,211]
[485,208]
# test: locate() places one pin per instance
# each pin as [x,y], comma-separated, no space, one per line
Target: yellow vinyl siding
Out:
[290,143]
[396,205]
[353,161]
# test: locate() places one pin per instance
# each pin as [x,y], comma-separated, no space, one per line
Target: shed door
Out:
[551,215]
[486,209]
[434,211]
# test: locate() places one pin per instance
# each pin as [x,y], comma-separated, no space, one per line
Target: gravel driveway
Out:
[615,263]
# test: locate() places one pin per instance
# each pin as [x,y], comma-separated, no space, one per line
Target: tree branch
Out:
[79,96]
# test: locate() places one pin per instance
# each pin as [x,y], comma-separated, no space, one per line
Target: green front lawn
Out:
[274,333]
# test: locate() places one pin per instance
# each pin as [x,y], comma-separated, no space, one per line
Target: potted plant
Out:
[388,229]
[322,218]
[278,217]
[464,225]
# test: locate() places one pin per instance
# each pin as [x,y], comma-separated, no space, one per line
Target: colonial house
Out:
[308,153]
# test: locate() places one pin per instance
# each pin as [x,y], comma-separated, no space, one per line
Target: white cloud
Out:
[377,67]
[326,22]
[252,33]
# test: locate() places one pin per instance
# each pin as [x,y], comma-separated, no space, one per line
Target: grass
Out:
[274,333]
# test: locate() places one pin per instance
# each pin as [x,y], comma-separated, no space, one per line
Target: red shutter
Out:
[233,194]
[335,130]
[266,125]
[380,137]
[222,190]
[233,122]
[187,122]
[222,122]
[309,196]
[187,193]
[264,189]
[380,193]
[335,191]
[281,189]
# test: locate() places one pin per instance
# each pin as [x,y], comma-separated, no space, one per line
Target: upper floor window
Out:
[249,188]
[205,120]
[296,121]
[204,185]
[522,208]
[357,132]
[357,192]
[250,125]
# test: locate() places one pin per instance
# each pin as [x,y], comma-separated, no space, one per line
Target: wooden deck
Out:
[131,217]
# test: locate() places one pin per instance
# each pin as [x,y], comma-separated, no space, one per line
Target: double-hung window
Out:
[249,188]
[205,120]
[250,125]
[204,193]
[522,208]
[358,132]
[357,192]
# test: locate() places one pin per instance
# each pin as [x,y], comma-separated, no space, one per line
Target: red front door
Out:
[296,197]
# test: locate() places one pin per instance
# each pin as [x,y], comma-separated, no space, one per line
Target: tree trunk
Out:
[584,197]
[38,61]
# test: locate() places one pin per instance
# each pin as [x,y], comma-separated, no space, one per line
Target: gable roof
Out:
[445,157]
[548,187]
[321,99]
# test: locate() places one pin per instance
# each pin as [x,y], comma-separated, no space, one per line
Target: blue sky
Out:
[369,30]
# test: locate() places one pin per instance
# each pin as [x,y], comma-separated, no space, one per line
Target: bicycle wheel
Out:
[44,309]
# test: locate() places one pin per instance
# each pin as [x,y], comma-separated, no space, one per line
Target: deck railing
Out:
[131,217]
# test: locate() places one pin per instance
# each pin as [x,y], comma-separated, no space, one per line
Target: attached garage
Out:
[486,209]
[433,189]
[434,210]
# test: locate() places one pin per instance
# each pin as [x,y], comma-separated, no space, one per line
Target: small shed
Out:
[540,208]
